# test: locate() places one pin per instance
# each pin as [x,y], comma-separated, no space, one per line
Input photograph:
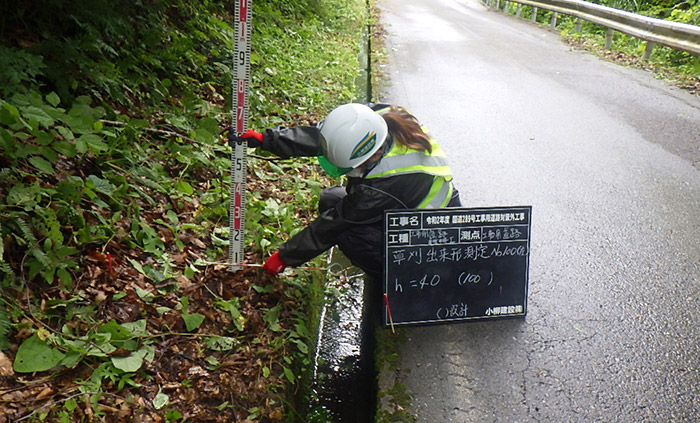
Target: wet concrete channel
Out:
[344,376]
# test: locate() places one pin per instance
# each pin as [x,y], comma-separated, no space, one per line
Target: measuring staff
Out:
[239,88]
[390,162]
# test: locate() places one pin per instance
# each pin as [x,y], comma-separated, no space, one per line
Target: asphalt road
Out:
[608,157]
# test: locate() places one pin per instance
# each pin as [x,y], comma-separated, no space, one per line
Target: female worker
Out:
[390,162]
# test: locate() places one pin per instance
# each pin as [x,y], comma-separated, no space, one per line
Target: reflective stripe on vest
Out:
[439,195]
[401,160]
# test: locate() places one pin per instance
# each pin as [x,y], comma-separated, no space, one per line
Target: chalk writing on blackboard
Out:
[456,264]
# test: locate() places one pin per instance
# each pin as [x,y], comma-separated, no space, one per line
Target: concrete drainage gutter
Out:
[344,377]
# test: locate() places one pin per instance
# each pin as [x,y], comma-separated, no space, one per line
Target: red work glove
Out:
[274,265]
[252,138]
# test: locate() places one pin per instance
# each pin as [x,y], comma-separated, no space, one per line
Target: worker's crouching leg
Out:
[362,244]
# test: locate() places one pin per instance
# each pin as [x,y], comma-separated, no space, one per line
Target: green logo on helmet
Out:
[364,145]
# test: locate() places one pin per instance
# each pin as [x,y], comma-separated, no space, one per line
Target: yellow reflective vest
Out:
[402,160]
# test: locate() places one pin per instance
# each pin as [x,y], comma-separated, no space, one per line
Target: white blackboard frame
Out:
[404,231]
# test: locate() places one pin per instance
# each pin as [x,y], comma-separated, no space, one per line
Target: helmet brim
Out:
[331,169]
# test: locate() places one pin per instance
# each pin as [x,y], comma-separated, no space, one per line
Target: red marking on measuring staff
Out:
[241,103]
[243,7]
[237,206]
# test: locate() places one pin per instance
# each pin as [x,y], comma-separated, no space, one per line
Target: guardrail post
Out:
[647,50]
[675,35]
[609,38]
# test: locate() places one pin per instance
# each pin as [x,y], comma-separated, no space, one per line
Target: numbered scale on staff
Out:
[239,88]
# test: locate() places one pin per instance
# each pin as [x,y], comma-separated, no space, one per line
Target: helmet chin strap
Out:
[358,172]
[366,167]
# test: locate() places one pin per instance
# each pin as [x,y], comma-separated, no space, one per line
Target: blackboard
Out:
[456,264]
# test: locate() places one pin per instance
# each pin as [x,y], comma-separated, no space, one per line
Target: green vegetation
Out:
[114,207]
[114,199]
[677,66]
[394,397]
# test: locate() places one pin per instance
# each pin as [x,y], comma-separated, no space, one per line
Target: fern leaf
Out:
[5,326]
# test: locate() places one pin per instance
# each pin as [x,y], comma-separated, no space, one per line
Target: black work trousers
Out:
[361,244]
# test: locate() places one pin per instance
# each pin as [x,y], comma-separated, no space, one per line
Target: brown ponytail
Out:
[406,130]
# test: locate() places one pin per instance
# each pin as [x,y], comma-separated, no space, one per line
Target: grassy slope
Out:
[104,272]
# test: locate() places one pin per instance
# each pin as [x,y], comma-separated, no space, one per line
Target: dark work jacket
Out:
[365,203]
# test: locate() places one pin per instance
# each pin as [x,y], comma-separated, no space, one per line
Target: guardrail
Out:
[676,35]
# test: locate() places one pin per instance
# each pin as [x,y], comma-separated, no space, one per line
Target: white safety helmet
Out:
[350,135]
